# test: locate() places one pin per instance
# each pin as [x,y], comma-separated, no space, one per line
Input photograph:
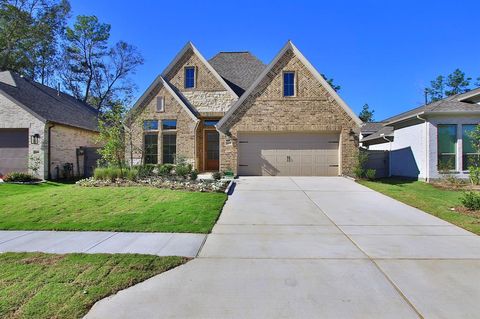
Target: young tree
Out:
[366,115]
[457,83]
[94,72]
[112,137]
[331,83]
[436,91]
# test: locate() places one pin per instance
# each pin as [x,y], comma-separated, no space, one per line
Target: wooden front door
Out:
[212,150]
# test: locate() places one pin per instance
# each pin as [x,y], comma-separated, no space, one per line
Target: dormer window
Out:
[288,83]
[160,104]
[189,77]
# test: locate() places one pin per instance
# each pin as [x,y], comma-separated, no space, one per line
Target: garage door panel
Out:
[289,154]
[13,150]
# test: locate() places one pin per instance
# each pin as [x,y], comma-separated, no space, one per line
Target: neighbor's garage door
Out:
[288,154]
[13,150]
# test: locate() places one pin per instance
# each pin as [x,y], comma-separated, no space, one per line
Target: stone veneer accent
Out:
[173,111]
[209,95]
[313,109]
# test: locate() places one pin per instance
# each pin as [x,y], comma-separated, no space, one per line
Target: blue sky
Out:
[381,52]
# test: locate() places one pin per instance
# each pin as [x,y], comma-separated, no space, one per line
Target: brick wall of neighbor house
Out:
[64,142]
[14,116]
[312,109]
[209,95]
[173,111]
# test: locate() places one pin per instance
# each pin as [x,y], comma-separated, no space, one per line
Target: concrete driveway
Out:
[313,247]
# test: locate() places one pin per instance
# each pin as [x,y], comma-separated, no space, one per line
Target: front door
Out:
[212,150]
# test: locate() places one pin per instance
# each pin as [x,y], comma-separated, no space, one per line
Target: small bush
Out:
[358,172]
[228,172]
[145,170]
[165,169]
[370,174]
[359,169]
[474,175]
[183,170]
[19,177]
[194,175]
[471,200]
[131,174]
[217,175]
[99,173]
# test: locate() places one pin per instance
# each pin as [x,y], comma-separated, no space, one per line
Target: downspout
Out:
[195,145]
[427,146]
[389,154]
[49,148]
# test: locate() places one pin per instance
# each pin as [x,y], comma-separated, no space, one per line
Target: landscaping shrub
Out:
[145,170]
[99,173]
[359,169]
[216,175]
[194,175]
[165,169]
[183,170]
[370,174]
[18,177]
[131,174]
[474,174]
[471,200]
[228,172]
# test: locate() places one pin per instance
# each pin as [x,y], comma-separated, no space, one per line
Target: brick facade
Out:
[185,131]
[313,109]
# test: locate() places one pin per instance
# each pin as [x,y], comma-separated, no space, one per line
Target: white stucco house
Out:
[428,139]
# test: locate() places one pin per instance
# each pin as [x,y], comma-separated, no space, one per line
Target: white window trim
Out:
[194,77]
[160,100]
[294,84]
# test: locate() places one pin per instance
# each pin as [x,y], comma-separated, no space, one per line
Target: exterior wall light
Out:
[34,138]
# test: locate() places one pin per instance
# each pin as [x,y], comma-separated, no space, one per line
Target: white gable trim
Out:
[316,74]
[161,80]
[180,54]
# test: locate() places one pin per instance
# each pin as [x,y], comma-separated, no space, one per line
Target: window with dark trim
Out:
[470,156]
[169,124]
[447,147]
[151,148]
[150,125]
[189,77]
[288,83]
[169,147]
[210,123]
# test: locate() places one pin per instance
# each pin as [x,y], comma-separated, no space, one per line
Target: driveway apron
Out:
[315,247]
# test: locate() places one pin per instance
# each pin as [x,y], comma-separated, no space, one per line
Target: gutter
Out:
[427,146]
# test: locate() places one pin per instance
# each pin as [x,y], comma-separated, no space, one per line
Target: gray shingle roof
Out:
[47,103]
[371,127]
[387,131]
[238,69]
[450,104]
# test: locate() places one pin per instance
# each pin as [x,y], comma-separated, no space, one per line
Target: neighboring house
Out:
[41,124]
[235,113]
[430,140]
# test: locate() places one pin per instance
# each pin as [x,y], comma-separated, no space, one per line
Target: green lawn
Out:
[428,198]
[35,285]
[54,206]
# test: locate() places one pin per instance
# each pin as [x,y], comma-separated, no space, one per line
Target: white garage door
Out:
[288,154]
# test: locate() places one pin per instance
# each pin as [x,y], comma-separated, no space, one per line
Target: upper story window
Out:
[160,104]
[189,77]
[210,123]
[169,124]
[150,125]
[447,147]
[288,83]
[470,156]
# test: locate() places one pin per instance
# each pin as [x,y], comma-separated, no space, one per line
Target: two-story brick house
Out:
[233,112]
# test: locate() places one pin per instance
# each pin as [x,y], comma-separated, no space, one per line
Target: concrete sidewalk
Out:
[62,242]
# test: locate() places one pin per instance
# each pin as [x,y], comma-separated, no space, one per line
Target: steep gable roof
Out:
[46,103]
[185,49]
[289,46]
[239,69]
[161,81]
